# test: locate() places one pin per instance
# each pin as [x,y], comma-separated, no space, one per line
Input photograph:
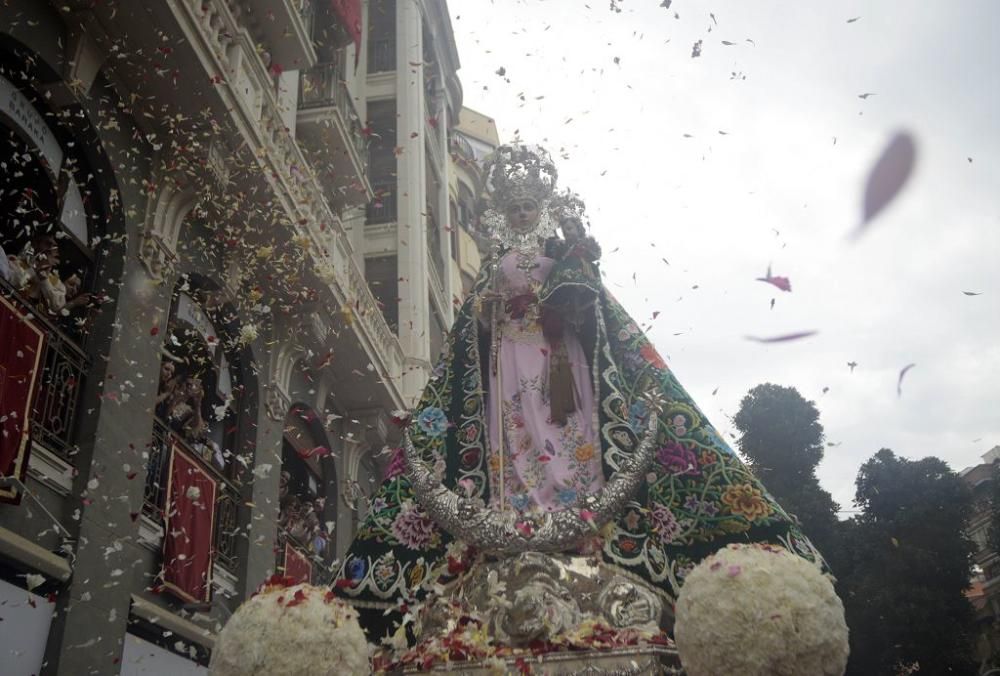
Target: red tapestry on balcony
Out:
[297,565]
[20,360]
[349,13]
[187,525]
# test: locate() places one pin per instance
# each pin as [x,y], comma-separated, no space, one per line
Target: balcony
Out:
[227,498]
[286,29]
[65,365]
[330,129]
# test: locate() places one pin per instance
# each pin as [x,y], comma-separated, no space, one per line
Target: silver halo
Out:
[469,521]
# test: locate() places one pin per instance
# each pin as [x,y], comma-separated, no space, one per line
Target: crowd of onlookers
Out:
[301,517]
[34,273]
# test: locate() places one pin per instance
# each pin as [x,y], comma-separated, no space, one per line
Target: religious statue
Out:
[551,429]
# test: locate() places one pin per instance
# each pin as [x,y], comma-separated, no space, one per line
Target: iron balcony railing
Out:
[227,500]
[325,86]
[382,209]
[64,366]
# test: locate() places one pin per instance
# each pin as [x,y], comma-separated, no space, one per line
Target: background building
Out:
[984,591]
[237,231]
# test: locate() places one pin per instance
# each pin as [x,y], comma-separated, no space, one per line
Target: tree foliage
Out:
[910,562]
[782,439]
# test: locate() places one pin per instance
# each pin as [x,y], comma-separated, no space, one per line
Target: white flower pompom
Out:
[759,610]
[298,630]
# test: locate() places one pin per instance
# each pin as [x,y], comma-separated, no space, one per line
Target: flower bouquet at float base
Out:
[292,630]
[759,610]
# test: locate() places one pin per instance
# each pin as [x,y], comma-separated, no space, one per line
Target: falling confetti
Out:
[782,283]
[798,335]
[899,383]
[888,176]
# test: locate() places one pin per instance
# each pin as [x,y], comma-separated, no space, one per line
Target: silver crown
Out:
[568,205]
[517,172]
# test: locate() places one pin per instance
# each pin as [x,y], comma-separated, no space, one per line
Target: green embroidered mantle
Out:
[697,497]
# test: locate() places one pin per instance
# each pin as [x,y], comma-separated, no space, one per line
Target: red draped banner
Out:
[20,360]
[349,13]
[297,565]
[187,525]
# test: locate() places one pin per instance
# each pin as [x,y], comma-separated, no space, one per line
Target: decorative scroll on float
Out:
[21,344]
[188,523]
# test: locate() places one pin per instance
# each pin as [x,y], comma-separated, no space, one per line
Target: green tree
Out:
[910,563]
[782,440]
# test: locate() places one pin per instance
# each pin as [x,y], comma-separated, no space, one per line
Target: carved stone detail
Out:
[276,402]
[156,256]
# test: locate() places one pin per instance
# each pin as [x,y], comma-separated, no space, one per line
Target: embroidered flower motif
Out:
[567,496]
[397,465]
[678,459]
[706,458]
[632,520]
[746,501]
[638,413]
[384,572]
[412,527]
[696,506]
[665,523]
[470,458]
[653,357]
[520,501]
[679,423]
[379,504]
[584,453]
[433,422]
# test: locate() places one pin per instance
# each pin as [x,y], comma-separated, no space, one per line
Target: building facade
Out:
[233,234]
[984,589]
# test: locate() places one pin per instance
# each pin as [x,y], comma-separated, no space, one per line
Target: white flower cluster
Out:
[759,610]
[300,630]
[248,334]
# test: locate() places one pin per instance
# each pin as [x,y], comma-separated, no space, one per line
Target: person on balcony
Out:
[543,389]
[35,274]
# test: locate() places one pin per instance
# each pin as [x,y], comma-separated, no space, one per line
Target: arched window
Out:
[307,498]
[199,406]
[50,221]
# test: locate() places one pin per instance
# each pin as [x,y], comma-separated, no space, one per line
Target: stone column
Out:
[262,528]
[414,309]
[444,208]
[91,616]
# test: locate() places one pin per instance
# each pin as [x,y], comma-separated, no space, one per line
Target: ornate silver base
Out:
[590,618]
[539,597]
[645,661]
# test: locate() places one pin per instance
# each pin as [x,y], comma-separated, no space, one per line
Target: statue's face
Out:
[522,215]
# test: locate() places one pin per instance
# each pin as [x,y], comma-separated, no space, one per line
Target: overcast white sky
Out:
[710,204]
